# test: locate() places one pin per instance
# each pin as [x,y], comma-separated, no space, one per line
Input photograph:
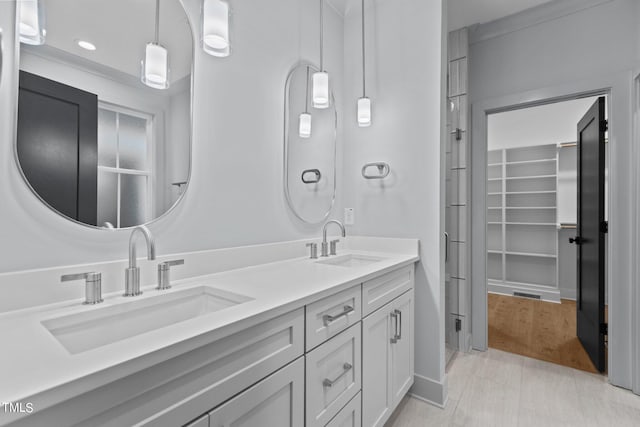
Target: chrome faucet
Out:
[132,274]
[325,244]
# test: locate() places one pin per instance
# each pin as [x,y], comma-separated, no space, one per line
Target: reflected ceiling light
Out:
[86,45]
[215,28]
[304,121]
[364,103]
[321,78]
[155,65]
[31,26]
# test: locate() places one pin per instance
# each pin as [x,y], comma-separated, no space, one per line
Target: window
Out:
[124,166]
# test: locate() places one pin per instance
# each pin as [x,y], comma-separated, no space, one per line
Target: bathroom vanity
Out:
[297,342]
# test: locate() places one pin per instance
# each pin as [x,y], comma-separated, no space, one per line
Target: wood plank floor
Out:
[537,329]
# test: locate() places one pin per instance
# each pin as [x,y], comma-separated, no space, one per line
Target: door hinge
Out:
[604,227]
[605,125]
[458,325]
[604,328]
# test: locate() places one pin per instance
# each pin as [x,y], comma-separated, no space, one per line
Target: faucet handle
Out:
[164,269]
[93,285]
[333,245]
[168,264]
[314,250]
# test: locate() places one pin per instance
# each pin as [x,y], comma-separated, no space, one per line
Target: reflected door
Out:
[57,145]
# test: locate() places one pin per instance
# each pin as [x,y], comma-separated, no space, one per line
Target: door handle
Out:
[399,314]
[394,338]
[446,246]
[577,240]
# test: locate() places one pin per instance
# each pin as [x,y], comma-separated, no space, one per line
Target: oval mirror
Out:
[104,109]
[309,149]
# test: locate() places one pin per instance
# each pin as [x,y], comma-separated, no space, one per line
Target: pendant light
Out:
[364,103]
[321,78]
[31,26]
[304,121]
[155,65]
[215,28]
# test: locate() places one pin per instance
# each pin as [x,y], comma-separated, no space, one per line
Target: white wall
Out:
[235,197]
[529,57]
[540,125]
[404,66]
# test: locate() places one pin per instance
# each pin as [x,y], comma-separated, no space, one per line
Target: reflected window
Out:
[125,142]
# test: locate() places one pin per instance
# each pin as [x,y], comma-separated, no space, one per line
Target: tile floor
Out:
[495,388]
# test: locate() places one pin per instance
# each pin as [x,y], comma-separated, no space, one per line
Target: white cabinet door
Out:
[402,359]
[278,400]
[376,353]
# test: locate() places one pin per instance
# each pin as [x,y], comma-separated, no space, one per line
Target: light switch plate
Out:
[349,216]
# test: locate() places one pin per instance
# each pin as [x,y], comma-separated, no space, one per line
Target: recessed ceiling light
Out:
[86,45]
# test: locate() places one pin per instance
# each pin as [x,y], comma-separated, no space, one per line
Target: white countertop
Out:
[36,368]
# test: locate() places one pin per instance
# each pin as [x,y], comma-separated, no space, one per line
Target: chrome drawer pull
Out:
[328,383]
[327,318]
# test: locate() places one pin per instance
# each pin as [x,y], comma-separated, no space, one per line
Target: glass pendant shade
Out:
[215,28]
[31,26]
[155,67]
[364,112]
[304,125]
[321,89]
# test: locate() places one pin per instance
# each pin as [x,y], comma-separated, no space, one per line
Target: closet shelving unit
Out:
[522,245]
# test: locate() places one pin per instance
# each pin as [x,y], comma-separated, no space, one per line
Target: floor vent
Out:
[524,295]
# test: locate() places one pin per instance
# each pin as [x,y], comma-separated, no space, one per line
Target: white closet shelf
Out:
[494,164]
[542,224]
[530,254]
[528,162]
[494,223]
[529,177]
[531,207]
[528,192]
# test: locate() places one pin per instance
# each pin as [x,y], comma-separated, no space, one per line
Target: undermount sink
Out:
[351,260]
[101,326]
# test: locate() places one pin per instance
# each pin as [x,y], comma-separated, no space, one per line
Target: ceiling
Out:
[464,13]
[120,29]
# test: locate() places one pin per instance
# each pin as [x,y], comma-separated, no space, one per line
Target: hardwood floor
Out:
[538,329]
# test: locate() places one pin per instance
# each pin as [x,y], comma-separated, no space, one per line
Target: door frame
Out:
[618,87]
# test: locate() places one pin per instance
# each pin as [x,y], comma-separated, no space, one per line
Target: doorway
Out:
[531,219]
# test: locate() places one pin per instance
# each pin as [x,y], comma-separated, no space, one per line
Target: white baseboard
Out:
[429,390]
[568,294]
[505,288]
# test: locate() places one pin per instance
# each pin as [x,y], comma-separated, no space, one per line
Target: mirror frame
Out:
[16,71]
[286,147]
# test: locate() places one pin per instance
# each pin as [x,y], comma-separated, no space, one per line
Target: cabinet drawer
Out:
[379,291]
[350,415]
[331,315]
[275,401]
[333,376]
[203,421]
[180,389]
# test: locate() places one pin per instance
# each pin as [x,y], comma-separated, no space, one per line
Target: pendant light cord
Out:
[157,21]
[322,35]
[306,94]
[364,92]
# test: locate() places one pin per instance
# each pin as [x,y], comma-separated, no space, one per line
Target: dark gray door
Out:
[57,145]
[591,229]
